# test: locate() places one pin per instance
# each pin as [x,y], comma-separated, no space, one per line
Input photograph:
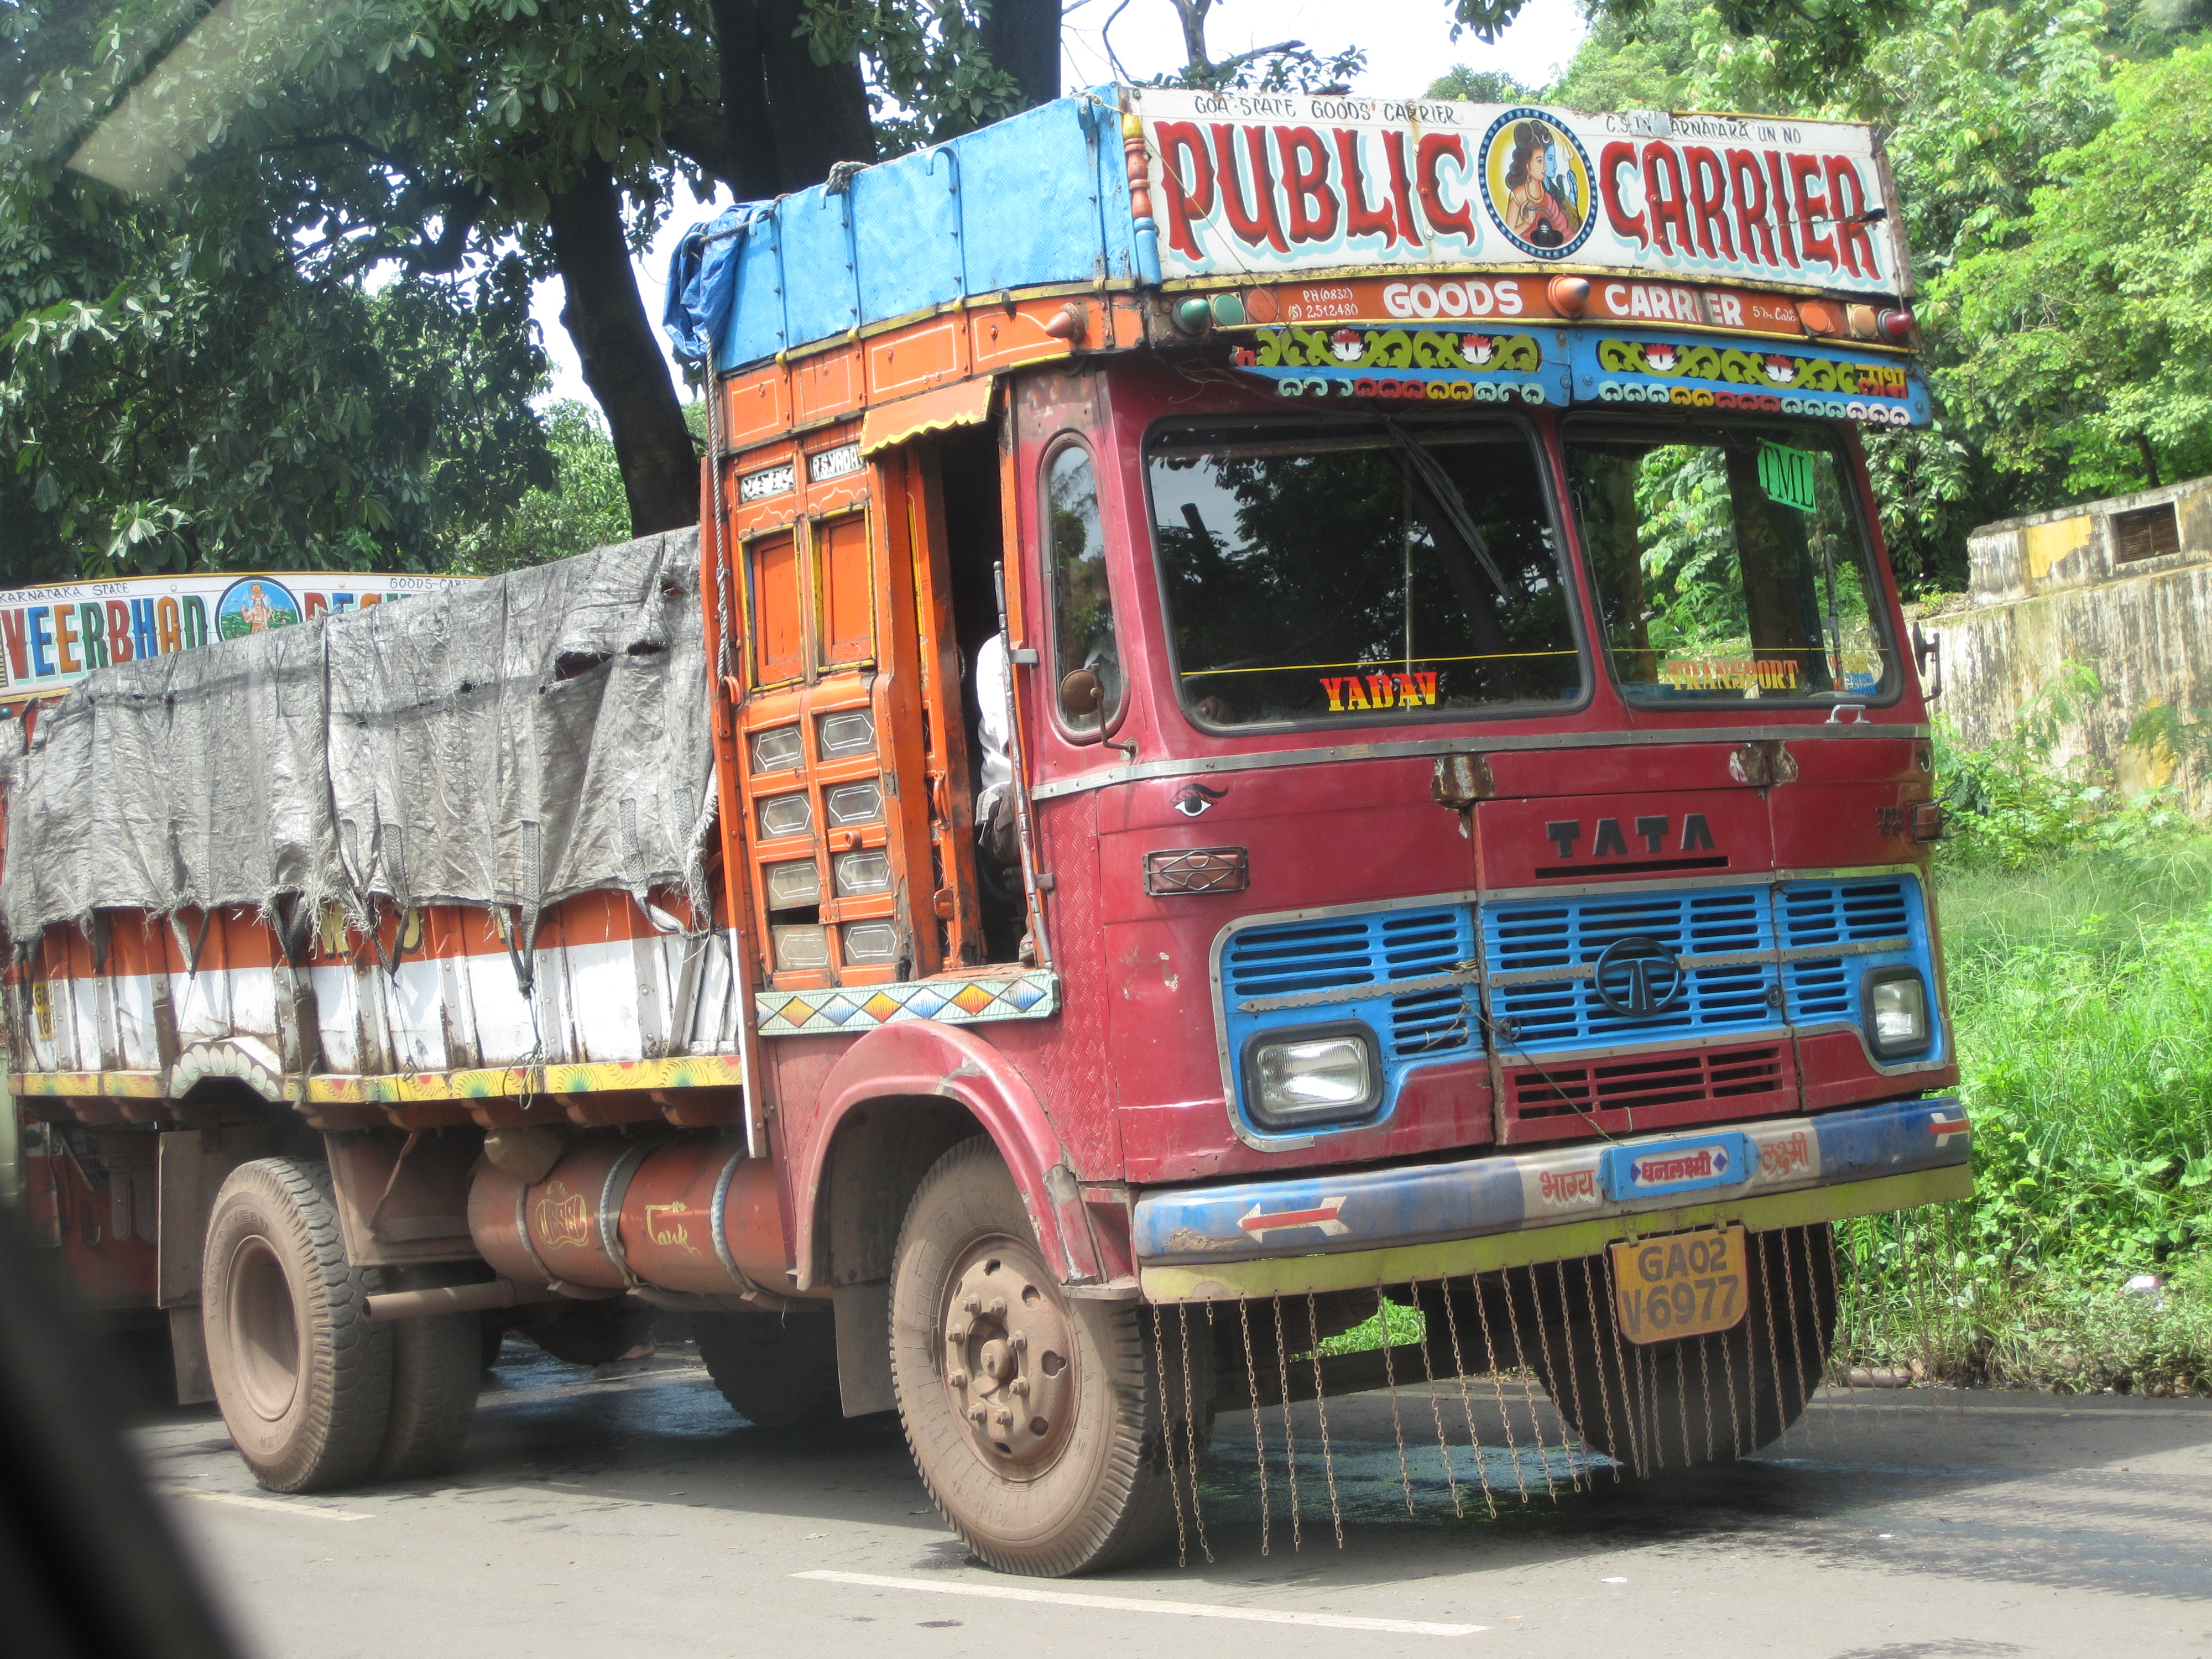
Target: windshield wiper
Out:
[1445,494]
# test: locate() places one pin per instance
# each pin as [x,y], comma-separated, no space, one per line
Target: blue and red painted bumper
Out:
[1722,1171]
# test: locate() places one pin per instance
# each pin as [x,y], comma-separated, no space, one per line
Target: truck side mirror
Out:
[1080,697]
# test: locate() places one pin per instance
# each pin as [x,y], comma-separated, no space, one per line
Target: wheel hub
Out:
[1009,1357]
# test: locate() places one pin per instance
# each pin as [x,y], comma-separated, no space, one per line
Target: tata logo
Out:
[1637,977]
[1655,830]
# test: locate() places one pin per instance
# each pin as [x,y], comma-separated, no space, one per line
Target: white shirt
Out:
[991,727]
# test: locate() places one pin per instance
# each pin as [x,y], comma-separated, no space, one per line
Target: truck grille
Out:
[1755,959]
[1339,955]
[1545,1103]
[1523,937]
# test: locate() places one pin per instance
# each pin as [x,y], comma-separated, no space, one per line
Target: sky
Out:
[1408,44]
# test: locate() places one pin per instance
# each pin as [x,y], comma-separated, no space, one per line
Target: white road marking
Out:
[282,1506]
[1130,1604]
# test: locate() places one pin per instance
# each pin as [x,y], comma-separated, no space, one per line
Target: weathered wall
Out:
[2052,587]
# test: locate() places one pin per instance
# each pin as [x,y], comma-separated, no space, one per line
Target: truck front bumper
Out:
[1368,1227]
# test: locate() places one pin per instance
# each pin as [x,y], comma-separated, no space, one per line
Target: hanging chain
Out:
[1435,1409]
[1190,1425]
[1467,1400]
[1390,1380]
[1321,1406]
[1290,1440]
[1259,1443]
[1167,1435]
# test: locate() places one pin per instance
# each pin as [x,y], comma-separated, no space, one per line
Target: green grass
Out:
[2080,990]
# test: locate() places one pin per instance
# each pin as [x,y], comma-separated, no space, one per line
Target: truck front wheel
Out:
[303,1375]
[1040,1424]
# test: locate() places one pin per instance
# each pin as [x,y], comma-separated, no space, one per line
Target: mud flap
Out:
[864,1347]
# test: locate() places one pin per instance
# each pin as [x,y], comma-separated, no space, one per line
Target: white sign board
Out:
[52,636]
[1253,184]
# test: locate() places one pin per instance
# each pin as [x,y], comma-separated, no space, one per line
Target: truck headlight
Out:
[1327,1075]
[1897,1022]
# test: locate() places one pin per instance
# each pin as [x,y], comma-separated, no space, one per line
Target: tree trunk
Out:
[1022,37]
[819,111]
[756,173]
[2149,459]
[622,359]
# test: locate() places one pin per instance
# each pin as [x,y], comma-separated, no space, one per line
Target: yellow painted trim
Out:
[494,1082]
[1233,1281]
[123,1086]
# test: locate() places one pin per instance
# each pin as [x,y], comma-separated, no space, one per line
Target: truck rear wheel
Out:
[777,1371]
[302,1374]
[1700,1400]
[437,1365]
[1037,1421]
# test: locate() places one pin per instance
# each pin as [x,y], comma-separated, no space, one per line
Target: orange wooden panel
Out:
[757,405]
[1002,337]
[778,607]
[840,574]
[825,386]
[915,358]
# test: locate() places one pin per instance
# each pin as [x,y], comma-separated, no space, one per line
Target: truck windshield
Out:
[1359,570]
[1728,562]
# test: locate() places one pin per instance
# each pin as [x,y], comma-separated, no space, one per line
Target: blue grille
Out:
[1342,953]
[1526,936]
[1342,969]
[1815,913]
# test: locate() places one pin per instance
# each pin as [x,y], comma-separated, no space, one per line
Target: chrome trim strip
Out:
[715,1228]
[613,1191]
[1371,991]
[1142,771]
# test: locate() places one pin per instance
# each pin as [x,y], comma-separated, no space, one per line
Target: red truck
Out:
[1474,855]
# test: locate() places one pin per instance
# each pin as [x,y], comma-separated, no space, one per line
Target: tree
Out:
[2087,347]
[583,506]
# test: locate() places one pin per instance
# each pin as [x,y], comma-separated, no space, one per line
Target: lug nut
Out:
[1021,1341]
[958,1379]
[1021,1387]
[978,1415]
[971,1304]
[997,1308]
[1005,1419]
[957,1333]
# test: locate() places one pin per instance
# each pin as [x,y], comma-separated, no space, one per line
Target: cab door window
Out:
[1086,652]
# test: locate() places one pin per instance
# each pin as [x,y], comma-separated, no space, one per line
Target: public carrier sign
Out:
[53,637]
[1246,184]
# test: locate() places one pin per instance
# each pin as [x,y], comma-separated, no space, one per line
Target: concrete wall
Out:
[2050,588]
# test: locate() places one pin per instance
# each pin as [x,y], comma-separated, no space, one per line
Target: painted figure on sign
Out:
[260,613]
[1534,211]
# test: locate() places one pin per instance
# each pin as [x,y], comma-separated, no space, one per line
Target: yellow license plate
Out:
[1683,1285]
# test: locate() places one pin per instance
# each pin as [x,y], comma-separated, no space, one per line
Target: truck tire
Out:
[302,1373]
[777,1371]
[1700,1400]
[437,1365]
[1084,1482]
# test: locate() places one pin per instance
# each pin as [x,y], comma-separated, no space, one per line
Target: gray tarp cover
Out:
[508,743]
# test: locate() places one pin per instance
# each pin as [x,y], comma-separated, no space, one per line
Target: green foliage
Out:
[1391,1325]
[584,507]
[2011,808]
[1479,86]
[2080,992]
[2086,344]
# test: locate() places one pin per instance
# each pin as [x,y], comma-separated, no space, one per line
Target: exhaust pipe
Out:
[696,1217]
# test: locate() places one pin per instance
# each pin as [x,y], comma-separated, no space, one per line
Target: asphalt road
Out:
[629,1512]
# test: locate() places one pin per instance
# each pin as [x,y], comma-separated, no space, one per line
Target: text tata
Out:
[1273,188]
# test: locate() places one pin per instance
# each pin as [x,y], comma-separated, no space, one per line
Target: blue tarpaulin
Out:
[1038,199]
